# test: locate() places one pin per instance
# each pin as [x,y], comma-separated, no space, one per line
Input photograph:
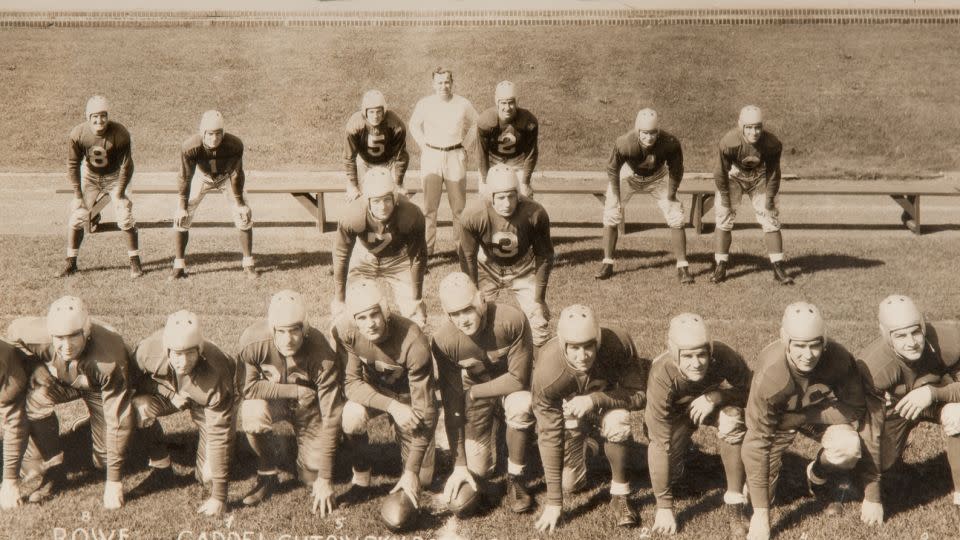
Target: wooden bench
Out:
[700,186]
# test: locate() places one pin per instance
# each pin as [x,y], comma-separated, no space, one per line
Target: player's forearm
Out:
[118,419]
[270,390]
[331,414]
[15,433]
[468,256]
[350,168]
[551,453]
[530,163]
[341,262]
[400,164]
[949,393]
[218,449]
[418,262]
[773,181]
[363,393]
[483,160]
[237,180]
[544,265]
[619,398]
[503,385]
[658,462]
[126,173]
[756,462]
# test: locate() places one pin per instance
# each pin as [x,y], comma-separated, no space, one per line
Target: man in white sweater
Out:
[444,125]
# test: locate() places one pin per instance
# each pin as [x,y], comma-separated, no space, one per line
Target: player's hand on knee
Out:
[410,484]
[700,409]
[77,204]
[353,192]
[405,417]
[547,522]
[322,497]
[759,525]
[664,522]
[912,404]
[181,217]
[871,513]
[10,494]
[460,475]
[211,507]
[578,406]
[112,495]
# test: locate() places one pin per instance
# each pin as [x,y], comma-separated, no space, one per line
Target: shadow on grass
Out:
[900,484]
[625,262]
[110,227]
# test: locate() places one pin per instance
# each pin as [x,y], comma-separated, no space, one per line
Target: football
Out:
[465,501]
[398,512]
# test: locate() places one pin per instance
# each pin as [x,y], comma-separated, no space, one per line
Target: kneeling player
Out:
[180,370]
[484,354]
[911,374]
[802,379]
[381,235]
[13,420]
[505,244]
[79,359]
[586,375]
[291,373]
[219,156]
[388,369]
[696,382]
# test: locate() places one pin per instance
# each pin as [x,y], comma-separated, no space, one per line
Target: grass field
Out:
[847,100]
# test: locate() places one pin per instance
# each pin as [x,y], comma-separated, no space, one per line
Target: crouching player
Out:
[291,373]
[388,369]
[802,380]
[696,382]
[177,369]
[586,375]
[13,420]
[78,359]
[911,373]
[484,354]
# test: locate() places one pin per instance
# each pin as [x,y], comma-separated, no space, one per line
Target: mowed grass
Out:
[844,273]
[846,100]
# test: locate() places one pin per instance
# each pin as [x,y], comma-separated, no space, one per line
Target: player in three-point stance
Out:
[13,420]
[291,373]
[655,161]
[381,235]
[484,354]
[802,380]
[696,382]
[219,156]
[102,146]
[376,137]
[177,369]
[445,128]
[76,358]
[911,374]
[749,165]
[508,135]
[388,369]
[505,245]
[586,376]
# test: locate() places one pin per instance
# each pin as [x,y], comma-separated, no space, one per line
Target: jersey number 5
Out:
[375,146]
[505,244]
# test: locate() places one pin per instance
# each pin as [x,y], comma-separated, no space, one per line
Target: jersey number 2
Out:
[507,144]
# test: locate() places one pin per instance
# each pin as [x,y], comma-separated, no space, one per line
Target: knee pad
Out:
[78,218]
[615,426]
[518,410]
[243,217]
[841,446]
[769,222]
[613,216]
[479,457]
[124,210]
[354,419]
[725,217]
[950,419]
[255,416]
[730,425]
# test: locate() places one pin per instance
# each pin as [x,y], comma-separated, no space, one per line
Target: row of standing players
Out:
[483,364]
[444,126]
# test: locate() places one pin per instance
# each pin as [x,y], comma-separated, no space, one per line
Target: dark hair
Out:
[442,71]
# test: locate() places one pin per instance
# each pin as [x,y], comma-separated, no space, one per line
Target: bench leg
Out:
[911,211]
[321,214]
[310,202]
[699,205]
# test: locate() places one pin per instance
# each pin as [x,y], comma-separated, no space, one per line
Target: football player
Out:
[103,148]
[696,382]
[505,244]
[508,135]
[13,420]
[749,165]
[382,235]
[76,359]
[291,373]
[655,161]
[388,369]
[484,354]
[445,127]
[219,156]
[586,376]
[177,369]
[911,374]
[376,136]
[803,379]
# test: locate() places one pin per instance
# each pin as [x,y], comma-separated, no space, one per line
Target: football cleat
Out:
[683,274]
[737,519]
[135,269]
[605,272]
[251,272]
[719,272]
[266,484]
[780,275]
[465,502]
[517,495]
[70,268]
[178,273]
[625,515]
[51,483]
[398,512]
